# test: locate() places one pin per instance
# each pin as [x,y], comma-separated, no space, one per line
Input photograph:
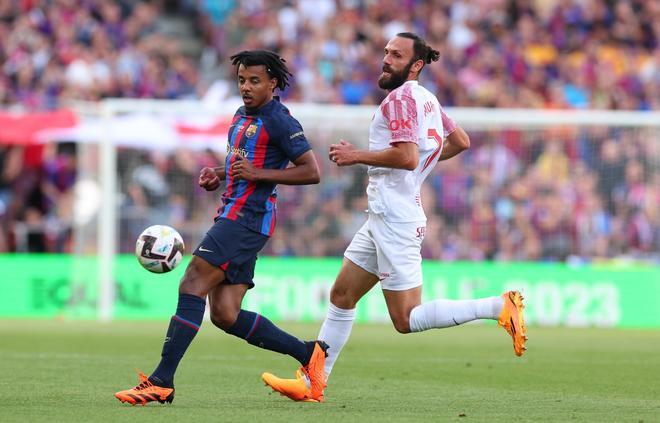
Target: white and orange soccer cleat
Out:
[512,320]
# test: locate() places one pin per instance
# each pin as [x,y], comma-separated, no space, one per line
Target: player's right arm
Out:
[304,172]
[401,155]
[209,178]
[400,127]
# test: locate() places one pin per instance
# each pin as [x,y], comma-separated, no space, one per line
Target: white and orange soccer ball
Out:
[159,248]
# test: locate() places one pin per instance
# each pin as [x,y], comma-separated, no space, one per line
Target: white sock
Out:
[335,331]
[447,313]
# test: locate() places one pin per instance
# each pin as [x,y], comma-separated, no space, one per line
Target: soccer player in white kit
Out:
[408,135]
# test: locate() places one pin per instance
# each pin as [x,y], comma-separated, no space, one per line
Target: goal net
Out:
[577,186]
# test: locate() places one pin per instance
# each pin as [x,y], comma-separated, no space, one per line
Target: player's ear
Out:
[273,83]
[417,66]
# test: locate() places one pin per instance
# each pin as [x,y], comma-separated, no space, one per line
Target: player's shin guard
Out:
[335,331]
[183,328]
[446,313]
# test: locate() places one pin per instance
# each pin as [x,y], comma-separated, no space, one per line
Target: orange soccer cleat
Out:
[297,389]
[146,392]
[511,318]
[309,383]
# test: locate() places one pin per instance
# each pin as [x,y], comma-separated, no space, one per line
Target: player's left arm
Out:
[304,172]
[401,155]
[288,135]
[456,139]
[455,143]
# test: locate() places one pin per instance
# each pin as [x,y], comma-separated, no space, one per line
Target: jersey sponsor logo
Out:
[421,231]
[251,130]
[239,151]
[297,134]
[396,124]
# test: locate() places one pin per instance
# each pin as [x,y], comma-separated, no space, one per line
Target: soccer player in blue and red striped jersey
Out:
[263,139]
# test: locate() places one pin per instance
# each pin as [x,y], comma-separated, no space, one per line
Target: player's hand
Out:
[243,169]
[208,179]
[343,154]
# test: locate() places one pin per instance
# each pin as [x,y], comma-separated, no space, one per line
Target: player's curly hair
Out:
[275,65]
[422,51]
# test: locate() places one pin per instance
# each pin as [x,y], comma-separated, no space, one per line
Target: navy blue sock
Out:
[183,328]
[258,330]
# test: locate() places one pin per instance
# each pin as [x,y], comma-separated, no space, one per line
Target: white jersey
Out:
[410,113]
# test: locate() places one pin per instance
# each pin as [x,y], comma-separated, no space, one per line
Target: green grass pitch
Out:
[68,371]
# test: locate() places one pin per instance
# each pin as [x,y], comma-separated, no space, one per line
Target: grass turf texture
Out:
[69,371]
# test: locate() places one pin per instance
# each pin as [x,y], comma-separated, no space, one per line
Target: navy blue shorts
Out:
[232,247]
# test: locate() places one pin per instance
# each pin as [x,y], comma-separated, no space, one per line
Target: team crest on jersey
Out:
[251,130]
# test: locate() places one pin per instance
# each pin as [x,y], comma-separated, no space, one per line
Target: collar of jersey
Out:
[265,108]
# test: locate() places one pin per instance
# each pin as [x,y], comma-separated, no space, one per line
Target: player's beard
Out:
[395,79]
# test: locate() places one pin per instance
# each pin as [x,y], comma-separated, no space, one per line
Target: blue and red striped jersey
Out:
[270,138]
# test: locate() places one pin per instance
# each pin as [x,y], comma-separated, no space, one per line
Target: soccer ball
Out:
[159,248]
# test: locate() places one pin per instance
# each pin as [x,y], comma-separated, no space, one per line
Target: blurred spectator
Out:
[10,165]
[495,164]
[452,186]
[552,164]
[148,194]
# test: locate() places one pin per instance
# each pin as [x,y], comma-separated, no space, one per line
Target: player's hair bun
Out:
[432,56]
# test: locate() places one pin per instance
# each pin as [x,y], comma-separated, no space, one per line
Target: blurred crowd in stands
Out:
[54,51]
[543,195]
[495,53]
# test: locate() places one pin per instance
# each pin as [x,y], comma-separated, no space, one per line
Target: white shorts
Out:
[389,250]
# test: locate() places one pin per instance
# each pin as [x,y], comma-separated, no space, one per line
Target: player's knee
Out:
[186,286]
[188,283]
[222,322]
[223,318]
[341,297]
[401,325]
